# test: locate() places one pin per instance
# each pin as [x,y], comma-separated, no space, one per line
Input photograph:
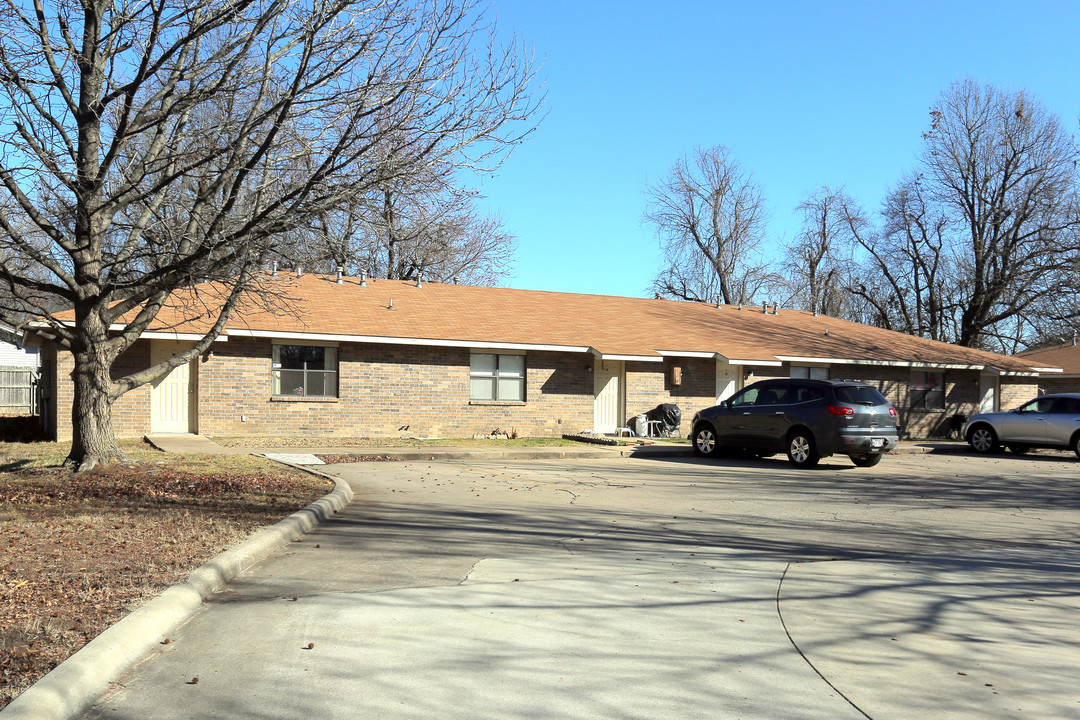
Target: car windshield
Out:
[860,395]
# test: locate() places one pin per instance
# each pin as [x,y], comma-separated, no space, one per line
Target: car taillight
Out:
[892,411]
[840,410]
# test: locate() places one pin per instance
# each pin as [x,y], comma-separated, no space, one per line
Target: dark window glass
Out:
[773,395]
[808,394]
[860,395]
[305,370]
[497,377]
[1066,406]
[927,390]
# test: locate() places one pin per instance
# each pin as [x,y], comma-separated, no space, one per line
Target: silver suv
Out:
[1050,421]
[807,419]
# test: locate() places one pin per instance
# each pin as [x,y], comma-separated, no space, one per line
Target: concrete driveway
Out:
[927,587]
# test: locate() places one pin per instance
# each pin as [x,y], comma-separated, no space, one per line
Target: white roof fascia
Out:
[687,353]
[166,335]
[427,342]
[1048,370]
[762,363]
[887,363]
[632,358]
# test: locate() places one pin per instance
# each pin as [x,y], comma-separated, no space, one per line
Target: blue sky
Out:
[804,94]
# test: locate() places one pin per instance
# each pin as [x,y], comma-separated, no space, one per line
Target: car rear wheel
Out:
[801,450]
[983,439]
[1076,444]
[866,460]
[704,441]
[1019,449]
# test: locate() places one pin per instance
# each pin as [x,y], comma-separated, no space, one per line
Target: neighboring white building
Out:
[12,355]
[20,379]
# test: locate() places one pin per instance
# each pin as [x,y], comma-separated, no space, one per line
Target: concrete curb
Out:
[73,685]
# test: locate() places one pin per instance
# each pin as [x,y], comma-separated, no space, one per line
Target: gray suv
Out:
[807,419]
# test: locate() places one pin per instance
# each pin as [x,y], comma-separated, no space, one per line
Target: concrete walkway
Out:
[616,589]
[200,444]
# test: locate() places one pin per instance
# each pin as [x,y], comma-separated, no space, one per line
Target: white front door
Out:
[608,396]
[728,380]
[988,386]
[172,397]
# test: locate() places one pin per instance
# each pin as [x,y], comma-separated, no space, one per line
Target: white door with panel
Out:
[608,401]
[728,380]
[988,393]
[173,397]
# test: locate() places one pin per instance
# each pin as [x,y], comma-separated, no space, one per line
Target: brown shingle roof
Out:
[1066,357]
[610,325]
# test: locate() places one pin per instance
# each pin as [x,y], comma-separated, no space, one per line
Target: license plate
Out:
[877,442]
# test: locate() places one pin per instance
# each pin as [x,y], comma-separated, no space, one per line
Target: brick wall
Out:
[1051,384]
[689,383]
[1017,391]
[398,390]
[391,390]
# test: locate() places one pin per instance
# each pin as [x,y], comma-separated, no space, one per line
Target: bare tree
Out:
[980,246]
[819,260]
[710,218]
[1002,170]
[415,232]
[146,146]
[909,276]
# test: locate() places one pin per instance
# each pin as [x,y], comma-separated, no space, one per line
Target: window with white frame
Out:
[927,391]
[805,372]
[305,371]
[497,377]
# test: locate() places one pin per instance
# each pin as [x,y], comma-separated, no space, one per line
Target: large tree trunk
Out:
[93,441]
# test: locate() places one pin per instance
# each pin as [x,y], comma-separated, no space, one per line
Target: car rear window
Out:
[860,394]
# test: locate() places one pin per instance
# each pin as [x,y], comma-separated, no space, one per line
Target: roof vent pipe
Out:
[776,308]
[419,281]
[299,270]
[826,331]
[340,270]
[740,306]
[764,308]
[273,268]
[717,301]
[391,305]
[363,279]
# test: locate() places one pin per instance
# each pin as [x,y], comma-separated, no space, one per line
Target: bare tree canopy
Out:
[405,230]
[981,246]
[149,145]
[710,218]
[818,262]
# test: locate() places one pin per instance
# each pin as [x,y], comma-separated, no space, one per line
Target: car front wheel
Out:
[983,439]
[801,450]
[704,441]
[867,460]
[1076,444]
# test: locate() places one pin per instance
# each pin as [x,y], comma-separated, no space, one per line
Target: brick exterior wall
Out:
[411,391]
[1049,384]
[689,383]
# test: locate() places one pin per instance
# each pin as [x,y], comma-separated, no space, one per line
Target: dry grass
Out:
[77,553]
[265,441]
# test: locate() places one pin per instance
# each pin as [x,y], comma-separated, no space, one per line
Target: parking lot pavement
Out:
[924,587]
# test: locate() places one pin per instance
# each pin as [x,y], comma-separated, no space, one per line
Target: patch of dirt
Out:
[77,553]
[333,459]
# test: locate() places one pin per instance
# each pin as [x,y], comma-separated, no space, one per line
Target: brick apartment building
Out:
[314,355]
